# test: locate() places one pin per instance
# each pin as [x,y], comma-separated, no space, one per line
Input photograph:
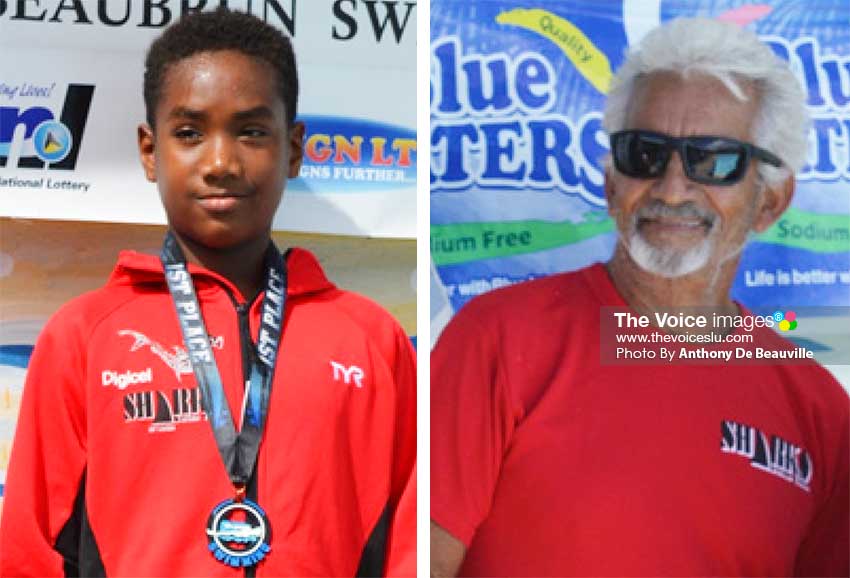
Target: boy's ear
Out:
[296,149]
[146,151]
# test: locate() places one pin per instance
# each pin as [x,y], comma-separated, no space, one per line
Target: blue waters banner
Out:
[517,92]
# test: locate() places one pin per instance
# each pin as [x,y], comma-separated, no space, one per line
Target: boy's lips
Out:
[220,202]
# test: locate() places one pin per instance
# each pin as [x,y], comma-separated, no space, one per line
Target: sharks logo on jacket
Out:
[165,410]
[775,455]
[177,358]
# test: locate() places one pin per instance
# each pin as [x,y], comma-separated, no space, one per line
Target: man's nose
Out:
[222,158]
[674,187]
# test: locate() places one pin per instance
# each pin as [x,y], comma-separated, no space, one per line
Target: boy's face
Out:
[222,152]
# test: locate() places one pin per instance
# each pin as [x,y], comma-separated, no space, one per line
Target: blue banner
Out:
[517,92]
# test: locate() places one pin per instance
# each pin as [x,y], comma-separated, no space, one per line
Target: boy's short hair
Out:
[221,29]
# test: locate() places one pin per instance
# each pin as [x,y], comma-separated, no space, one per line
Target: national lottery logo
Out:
[787,321]
[52,141]
[36,136]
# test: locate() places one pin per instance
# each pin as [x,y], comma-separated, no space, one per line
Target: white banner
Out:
[70,102]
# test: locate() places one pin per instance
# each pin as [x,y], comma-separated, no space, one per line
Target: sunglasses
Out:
[710,160]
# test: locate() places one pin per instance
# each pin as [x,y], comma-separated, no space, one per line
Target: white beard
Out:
[669,262]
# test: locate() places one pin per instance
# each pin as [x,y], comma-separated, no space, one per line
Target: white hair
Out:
[732,55]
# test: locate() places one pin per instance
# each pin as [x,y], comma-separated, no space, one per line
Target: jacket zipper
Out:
[249,354]
[245,341]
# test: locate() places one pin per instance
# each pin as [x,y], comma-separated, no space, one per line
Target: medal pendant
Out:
[238,533]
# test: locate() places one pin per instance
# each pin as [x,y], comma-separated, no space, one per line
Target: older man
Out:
[546,461]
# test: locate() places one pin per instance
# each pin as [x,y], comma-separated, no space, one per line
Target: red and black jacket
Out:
[114,469]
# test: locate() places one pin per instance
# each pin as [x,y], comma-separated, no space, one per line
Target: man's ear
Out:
[609,190]
[772,202]
[296,149]
[147,151]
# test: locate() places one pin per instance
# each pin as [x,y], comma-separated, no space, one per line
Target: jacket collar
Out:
[304,274]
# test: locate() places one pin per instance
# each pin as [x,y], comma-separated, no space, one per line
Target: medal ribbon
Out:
[238,450]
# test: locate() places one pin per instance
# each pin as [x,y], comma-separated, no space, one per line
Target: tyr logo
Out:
[347,374]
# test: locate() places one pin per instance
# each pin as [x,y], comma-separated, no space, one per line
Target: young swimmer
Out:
[220,409]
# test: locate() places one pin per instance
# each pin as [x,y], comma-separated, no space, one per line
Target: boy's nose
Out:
[222,159]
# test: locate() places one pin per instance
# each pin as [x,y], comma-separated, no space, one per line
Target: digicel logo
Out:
[127,378]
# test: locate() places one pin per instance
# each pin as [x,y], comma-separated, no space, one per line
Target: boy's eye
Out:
[254,132]
[187,134]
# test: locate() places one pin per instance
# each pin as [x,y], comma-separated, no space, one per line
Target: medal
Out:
[238,531]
